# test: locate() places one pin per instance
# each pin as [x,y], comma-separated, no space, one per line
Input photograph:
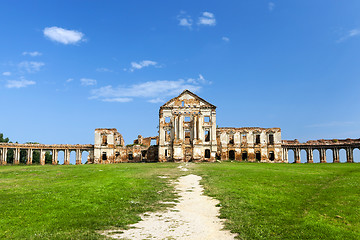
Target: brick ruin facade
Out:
[187,132]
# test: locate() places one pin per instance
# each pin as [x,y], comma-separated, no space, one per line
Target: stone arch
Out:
[316,155]
[303,156]
[61,157]
[36,156]
[48,156]
[23,156]
[10,156]
[342,155]
[72,159]
[271,156]
[329,155]
[84,156]
[291,156]
[356,155]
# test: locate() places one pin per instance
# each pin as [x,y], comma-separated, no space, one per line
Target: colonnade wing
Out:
[320,153]
[14,153]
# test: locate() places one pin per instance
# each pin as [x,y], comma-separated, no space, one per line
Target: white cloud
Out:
[62,35]
[198,81]
[69,80]
[154,90]
[32,54]
[103,70]
[6,73]
[207,18]
[350,34]
[184,20]
[19,83]
[225,39]
[30,66]
[156,100]
[88,82]
[142,64]
[271,6]
[117,100]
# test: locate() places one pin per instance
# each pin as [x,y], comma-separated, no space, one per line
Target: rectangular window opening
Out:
[167,119]
[271,139]
[257,139]
[207,119]
[207,136]
[187,137]
[187,119]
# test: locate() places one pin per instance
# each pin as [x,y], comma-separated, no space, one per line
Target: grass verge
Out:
[286,201]
[73,202]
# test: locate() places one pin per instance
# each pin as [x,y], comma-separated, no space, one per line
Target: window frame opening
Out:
[257,139]
[271,156]
[104,156]
[258,156]
[207,135]
[244,156]
[232,155]
[207,153]
[271,139]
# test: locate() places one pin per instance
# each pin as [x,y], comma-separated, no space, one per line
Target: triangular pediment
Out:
[187,99]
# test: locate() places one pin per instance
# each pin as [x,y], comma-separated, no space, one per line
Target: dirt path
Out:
[193,217]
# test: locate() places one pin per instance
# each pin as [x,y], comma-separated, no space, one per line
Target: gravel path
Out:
[193,217]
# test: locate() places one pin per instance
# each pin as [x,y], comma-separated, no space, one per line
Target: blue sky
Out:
[68,67]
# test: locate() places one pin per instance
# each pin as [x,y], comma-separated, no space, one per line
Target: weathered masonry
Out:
[335,145]
[42,148]
[187,132]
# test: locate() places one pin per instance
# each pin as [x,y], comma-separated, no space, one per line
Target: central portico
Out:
[187,129]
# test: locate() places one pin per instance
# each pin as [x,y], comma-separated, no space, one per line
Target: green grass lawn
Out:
[72,202]
[259,200]
[286,201]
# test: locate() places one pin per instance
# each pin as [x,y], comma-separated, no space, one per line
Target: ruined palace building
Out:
[187,132]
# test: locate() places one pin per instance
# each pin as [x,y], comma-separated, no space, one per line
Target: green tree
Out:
[2,139]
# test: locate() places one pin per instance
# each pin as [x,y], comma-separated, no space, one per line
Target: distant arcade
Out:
[187,132]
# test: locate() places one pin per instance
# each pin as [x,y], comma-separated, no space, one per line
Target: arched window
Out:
[271,156]
[207,153]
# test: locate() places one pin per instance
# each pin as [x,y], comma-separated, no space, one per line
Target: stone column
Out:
[297,155]
[285,155]
[310,155]
[5,150]
[1,155]
[213,129]
[175,127]
[17,156]
[66,157]
[181,129]
[54,156]
[349,155]
[29,156]
[195,126]
[78,156]
[322,155]
[42,157]
[336,158]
